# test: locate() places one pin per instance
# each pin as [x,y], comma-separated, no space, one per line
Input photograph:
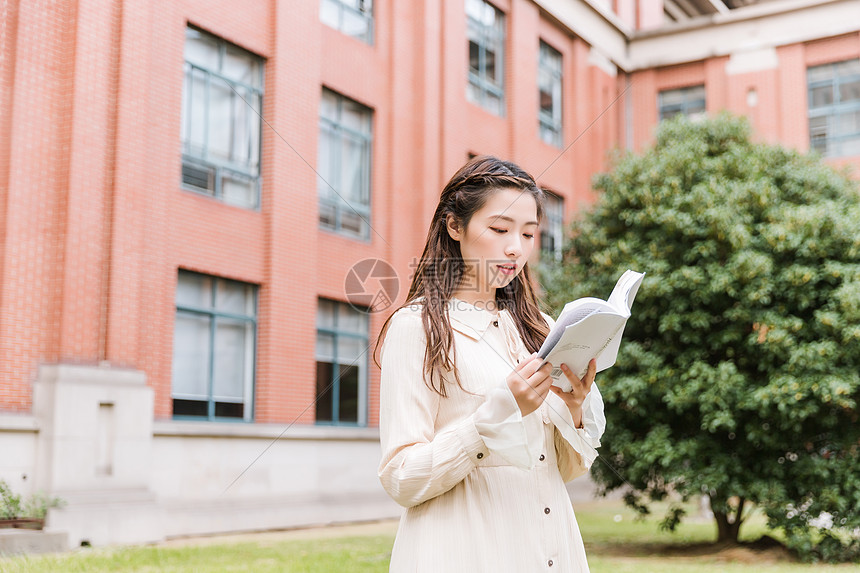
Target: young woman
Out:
[476,443]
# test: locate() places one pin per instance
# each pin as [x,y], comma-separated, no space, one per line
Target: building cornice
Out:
[756,27]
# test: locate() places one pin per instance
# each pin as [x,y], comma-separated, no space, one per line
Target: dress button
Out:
[546,510]
[480,455]
[549,562]
[542,457]
[495,323]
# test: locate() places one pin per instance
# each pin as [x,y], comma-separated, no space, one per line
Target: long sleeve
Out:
[418,462]
[576,448]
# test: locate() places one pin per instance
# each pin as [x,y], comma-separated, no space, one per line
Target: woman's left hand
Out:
[580,390]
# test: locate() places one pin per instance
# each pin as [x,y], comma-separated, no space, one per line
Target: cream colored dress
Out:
[483,486]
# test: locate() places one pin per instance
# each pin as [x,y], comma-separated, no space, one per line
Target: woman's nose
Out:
[514,247]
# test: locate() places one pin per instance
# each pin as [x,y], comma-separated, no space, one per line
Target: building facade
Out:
[194,196]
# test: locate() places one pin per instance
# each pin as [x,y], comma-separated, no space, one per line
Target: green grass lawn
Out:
[615,543]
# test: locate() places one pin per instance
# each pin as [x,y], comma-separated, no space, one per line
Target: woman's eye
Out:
[527,236]
[499,231]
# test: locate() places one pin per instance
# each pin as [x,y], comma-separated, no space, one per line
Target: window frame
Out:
[362,365]
[250,385]
[204,161]
[686,103]
[487,35]
[338,203]
[369,17]
[552,122]
[554,226]
[831,111]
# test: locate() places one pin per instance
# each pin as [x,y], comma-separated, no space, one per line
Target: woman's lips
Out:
[507,269]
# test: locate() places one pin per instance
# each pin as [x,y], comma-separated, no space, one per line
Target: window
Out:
[221,102]
[486,31]
[552,229]
[342,344]
[834,108]
[688,101]
[344,165]
[214,347]
[549,94]
[352,17]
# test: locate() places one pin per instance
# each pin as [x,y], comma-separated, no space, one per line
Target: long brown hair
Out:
[441,267]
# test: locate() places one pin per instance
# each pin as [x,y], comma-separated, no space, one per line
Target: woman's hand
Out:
[580,390]
[530,384]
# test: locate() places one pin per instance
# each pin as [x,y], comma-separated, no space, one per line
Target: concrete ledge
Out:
[18,423]
[20,541]
[270,431]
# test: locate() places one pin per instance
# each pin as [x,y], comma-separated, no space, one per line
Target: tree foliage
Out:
[739,377]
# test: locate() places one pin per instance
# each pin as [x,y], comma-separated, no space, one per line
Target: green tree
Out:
[739,377]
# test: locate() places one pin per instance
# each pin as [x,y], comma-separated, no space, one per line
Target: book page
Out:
[587,339]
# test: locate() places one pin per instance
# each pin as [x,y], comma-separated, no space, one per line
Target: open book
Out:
[590,328]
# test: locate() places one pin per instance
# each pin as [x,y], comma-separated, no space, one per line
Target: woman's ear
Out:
[453,227]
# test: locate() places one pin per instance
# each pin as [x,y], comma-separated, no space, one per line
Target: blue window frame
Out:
[344,165]
[352,17]
[688,101]
[834,108]
[550,95]
[214,348]
[222,97]
[341,359]
[486,31]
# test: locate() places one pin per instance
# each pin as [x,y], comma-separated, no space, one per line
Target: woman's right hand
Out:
[530,384]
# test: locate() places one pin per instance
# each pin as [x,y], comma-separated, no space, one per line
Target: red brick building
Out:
[186,185]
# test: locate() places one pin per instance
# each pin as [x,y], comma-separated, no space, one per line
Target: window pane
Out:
[240,66]
[820,73]
[474,57]
[490,65]
[350,350]
[325,391]
[195,108]
[190,408]
[849,91]
[355,25]
[493,103]
[847,123]
[191,355]
[351,320]
[325,347]
[545,91]
[848,67]
[201,49]
[348,399]
[229,409]
[328,105]
[850,147]
[235,298]
[326,162]
[352,184]
[351,222]
[194,290]
[355,116]
[220,119]
[821,96]
[234,347]
[238,190]
[330,13]
[326,310]
[327,215]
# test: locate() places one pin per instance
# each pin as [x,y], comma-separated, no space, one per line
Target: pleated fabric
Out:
[483,486]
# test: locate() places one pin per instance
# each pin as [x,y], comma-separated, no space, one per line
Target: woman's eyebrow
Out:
[509,219]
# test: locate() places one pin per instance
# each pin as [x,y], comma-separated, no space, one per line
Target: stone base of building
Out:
[124,478]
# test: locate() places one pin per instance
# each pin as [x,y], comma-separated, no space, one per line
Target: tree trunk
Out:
[728,522]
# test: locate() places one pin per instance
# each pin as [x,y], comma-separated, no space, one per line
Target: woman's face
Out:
[497,242]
